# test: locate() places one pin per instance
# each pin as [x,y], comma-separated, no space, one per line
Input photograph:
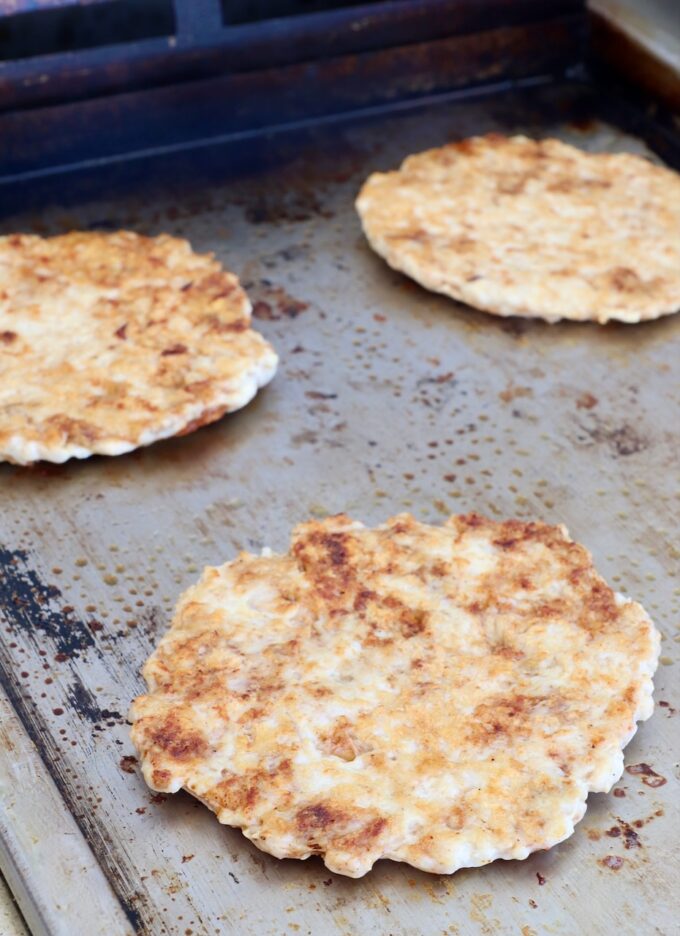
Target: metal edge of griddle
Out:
[31,883]
[642,80]
[628,47]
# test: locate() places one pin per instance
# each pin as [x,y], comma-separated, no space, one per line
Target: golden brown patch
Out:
[131,339]
[500,719]
[442,695]
[76,431]
[236,794]
[365,838]
[209,416]
[480,221]
[177,742]
[318,817]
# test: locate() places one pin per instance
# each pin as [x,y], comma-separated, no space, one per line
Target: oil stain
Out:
[29,605]
[84,703]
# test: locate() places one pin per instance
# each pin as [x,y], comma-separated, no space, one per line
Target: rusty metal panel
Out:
[72,136]
[138,51]
[388,398]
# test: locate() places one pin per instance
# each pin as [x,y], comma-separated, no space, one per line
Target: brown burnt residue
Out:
[436,391]
[513,392]
[586,401]
[649,777]
[613,862]
[320,395]
[272,303]
[8,337]
[625,831]
[641,823]
[273,207]
[128,763]
[622,440]
[539,877]
[263,311]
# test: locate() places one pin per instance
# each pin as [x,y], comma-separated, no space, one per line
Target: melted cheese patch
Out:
[532,228]
[443,696]
[112,341]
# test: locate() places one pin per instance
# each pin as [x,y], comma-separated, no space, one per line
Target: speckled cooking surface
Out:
[388,398]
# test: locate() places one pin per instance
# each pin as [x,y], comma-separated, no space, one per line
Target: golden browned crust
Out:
[534,228]
[443,696]
[112,341]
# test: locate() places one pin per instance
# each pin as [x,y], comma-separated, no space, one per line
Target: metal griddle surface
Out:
[388,399]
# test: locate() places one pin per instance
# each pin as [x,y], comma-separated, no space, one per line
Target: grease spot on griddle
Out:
[613,862]
[127,763]
[649,777]
[586,401]
[622,440]
[85,704]
[272,303]
[626,833]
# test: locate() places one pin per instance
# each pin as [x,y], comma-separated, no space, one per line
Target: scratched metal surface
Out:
[388,399]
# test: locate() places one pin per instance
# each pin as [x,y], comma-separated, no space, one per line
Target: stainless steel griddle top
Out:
[388,398]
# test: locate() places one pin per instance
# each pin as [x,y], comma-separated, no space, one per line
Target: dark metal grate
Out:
[253,11]
[177,76]
[31,28]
